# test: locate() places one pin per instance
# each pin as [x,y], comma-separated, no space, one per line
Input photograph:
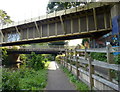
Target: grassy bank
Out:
[24,78]
[79,85]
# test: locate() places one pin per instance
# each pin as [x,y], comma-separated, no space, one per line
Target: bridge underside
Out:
[92,20]
[37,52]
[59,38]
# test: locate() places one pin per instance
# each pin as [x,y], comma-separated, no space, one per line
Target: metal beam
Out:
[17,30]
[36,25]
[95,18]
[63,26]
[48,28]
[105,20]
[79,27]
[87,23]
[33,33]
[72,26]
[41,30]
[56,29]
[27,34]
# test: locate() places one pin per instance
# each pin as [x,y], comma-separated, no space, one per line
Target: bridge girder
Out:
[86,21]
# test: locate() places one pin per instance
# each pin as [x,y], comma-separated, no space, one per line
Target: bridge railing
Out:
[96,74]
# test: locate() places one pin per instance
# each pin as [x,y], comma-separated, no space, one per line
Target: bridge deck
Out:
[86,21]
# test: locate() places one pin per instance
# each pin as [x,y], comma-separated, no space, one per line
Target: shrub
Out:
[33,80]
[117,59]
[10,80]
[58,58]
[4,57]
[24,79]
[35,61]
[99,56]
[15,47]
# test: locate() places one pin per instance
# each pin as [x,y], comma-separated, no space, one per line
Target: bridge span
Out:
[38,49]
[91,20]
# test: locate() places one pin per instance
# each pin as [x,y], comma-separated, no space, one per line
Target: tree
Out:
[57,6]
[85,42]
[4,18]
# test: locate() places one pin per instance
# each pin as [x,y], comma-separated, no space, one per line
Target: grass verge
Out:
[79,85]
[24,79]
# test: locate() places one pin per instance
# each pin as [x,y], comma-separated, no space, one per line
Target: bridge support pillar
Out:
[115,16]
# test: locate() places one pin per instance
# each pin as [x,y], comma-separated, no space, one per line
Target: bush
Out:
[10,80]
[35,61]
[4,57]
[23,57]
[15,47]
[33,80]
[99,56]
[58,58]
[117,59]
[27,79]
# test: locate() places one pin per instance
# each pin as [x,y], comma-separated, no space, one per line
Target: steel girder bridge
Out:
[91,20]
[37,49]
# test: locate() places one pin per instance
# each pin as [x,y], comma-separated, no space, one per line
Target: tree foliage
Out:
[35,61]
[4,18]
[4,57]
[57,6]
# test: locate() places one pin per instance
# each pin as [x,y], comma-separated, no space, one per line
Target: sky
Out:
[20,10]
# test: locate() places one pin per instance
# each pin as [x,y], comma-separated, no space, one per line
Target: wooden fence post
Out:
[65,57]
[86,54]
[110,61]
[91,71]
[62,60]
[70,60]
[67,53]
[77,71]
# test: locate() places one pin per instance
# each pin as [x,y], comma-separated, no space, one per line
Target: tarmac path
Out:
[57,80]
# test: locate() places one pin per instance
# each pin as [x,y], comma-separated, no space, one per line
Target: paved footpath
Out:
[57,80]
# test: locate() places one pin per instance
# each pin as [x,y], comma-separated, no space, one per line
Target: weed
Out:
[79,85]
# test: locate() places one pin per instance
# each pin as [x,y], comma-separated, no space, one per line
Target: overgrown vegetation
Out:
[31,76]
[58,58]
[79,85]
[117,59]
[99,56]
[35,61]
[4,57]
[102,57]
[24,79]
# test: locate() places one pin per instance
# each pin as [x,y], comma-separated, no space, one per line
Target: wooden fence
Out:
[80,63]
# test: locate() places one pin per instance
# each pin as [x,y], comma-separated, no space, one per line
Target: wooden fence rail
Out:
[84,67]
